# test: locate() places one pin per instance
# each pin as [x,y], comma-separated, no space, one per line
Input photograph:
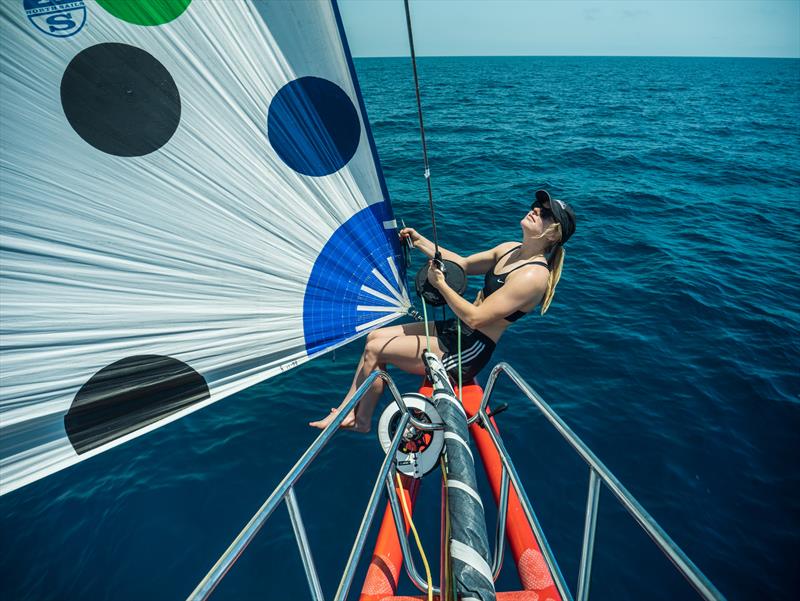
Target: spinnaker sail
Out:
[191,203]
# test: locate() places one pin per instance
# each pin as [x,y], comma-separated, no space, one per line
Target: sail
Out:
[191,203]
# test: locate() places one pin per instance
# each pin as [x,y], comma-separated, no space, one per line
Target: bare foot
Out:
[348,422]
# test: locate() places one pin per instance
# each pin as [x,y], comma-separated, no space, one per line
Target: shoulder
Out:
[532,276]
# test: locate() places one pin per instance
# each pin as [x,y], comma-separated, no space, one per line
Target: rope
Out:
[407,513]
[448,574]
[428,344]
[436,255]
[460,397]
[425,318]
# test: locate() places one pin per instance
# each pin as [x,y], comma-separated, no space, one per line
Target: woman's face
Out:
[537,220]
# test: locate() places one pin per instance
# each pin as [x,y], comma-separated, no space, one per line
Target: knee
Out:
[372,350]
[379,334]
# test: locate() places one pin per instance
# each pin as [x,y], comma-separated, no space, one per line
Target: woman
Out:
[518,277]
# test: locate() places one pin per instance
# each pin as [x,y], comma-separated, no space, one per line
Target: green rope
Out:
[460,397]
[425,317]
[428,343]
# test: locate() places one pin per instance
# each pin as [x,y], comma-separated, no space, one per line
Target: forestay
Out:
[191,203]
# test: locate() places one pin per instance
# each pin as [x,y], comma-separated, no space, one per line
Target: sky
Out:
[766,28]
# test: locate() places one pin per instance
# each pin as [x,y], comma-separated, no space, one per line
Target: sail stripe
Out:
[376,308]
[397,278]
[377,294]
[387,285]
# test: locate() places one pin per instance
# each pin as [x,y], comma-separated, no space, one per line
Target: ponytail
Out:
[556,263]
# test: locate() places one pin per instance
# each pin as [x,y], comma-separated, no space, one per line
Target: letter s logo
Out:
[57,18]
[60,22]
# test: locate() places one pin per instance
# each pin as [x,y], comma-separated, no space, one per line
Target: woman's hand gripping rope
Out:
[410,235]
[436,275]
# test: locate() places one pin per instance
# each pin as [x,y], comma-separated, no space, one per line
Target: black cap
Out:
[562,213]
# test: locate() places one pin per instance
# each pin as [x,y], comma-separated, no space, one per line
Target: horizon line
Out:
[576,56]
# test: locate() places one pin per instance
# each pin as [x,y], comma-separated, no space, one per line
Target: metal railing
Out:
[598,473]
[285,492]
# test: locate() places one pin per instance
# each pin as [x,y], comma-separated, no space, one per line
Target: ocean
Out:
[672,348]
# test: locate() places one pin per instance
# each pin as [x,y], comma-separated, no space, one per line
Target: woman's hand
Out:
[409,233]
[435,275]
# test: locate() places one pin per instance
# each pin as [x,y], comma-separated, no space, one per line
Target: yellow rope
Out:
[416,536]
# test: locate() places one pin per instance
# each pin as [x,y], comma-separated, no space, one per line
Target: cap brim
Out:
[542,196]
[563,216]
[562,213]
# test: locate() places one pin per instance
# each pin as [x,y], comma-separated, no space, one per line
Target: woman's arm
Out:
[513,296]
[481,262]
[420,242]
[476,264]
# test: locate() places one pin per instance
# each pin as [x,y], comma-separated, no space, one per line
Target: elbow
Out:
[474,322]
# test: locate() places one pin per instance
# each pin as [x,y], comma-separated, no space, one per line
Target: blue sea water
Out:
[672,347]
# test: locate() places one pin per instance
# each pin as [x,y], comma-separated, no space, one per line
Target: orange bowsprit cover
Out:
[384,569]
[534,573]
[506,596]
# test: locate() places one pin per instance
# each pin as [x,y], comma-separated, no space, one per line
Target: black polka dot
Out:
[120,99]
[128,395]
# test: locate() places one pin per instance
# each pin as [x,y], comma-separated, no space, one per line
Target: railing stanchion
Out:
[302,544]
[399,524]
[500,531]
[589,528]
[372,505]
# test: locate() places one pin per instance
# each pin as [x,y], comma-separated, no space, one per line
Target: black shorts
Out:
[476,349]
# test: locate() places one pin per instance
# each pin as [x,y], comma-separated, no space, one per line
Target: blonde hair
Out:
[556,263]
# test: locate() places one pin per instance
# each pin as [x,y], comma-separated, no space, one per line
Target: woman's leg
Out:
[415,328]
[401,350]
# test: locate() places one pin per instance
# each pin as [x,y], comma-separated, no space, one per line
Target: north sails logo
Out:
[58,18]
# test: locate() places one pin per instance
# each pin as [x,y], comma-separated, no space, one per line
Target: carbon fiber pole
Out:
[469,542]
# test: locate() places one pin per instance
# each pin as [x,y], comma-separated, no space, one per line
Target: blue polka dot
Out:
[313,126]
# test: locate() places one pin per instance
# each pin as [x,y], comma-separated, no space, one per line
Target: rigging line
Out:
[410,521]
[436,255]
[425,319]
[460,391]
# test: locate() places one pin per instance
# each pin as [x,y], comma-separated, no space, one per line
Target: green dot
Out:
[145,12]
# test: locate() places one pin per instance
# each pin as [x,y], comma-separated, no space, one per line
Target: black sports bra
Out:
[493,282]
